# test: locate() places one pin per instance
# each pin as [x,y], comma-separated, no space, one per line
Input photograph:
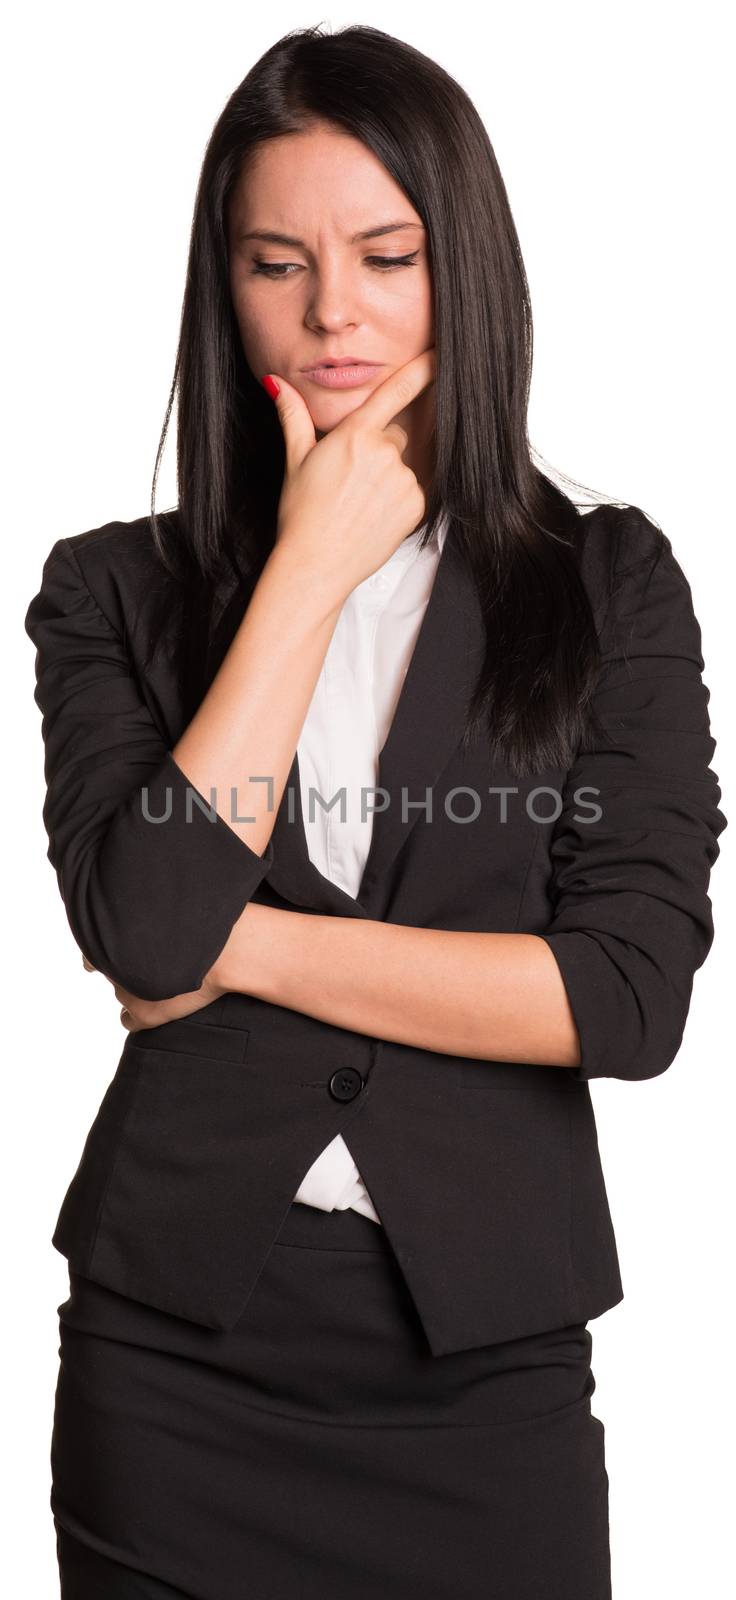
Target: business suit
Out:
[504,1231]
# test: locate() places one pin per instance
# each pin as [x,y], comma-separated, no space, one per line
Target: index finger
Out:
[396,391]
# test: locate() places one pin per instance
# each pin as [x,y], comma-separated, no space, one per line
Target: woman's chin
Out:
[326,426]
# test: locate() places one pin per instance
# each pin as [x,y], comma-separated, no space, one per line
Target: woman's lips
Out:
[342,377]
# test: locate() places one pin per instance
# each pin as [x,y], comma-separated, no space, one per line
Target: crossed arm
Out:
[491,996]
[494,996]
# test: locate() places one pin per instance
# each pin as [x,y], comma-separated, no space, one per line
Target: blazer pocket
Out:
[518,1171]
[165,1119]
[76,1224]
[210,1041]
[169,1214]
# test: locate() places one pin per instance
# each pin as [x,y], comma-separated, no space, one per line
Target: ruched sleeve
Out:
[632,915]
[151,903]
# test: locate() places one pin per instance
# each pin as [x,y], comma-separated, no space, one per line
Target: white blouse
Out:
[346,726]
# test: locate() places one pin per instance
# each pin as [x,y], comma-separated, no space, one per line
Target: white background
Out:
[611,129]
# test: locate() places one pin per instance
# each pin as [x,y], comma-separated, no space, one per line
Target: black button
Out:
[345,1084]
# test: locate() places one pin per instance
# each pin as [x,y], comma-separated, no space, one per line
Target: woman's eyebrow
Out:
[366,233]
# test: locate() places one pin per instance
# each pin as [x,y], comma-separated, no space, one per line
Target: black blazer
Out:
[486,1175]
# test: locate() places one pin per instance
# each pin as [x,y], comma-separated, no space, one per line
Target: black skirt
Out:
[318,1451]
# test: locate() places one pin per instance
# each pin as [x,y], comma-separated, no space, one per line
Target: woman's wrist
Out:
[262,943]
[317,591]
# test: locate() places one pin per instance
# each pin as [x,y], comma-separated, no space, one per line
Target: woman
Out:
[327,1332]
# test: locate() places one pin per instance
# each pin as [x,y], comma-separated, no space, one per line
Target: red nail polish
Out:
[271,386]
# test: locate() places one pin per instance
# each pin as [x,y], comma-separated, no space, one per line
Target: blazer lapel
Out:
[426,729]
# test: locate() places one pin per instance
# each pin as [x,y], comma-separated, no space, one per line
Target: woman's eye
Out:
[283,269]
[384,262]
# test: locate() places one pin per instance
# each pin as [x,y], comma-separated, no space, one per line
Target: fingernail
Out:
[271,386]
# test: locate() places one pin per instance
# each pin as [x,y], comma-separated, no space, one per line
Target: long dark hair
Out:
[518,531]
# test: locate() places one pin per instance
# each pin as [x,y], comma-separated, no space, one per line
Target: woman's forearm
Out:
[244,733]
[490,996]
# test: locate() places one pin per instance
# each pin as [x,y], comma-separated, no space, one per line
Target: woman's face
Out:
[332,294]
